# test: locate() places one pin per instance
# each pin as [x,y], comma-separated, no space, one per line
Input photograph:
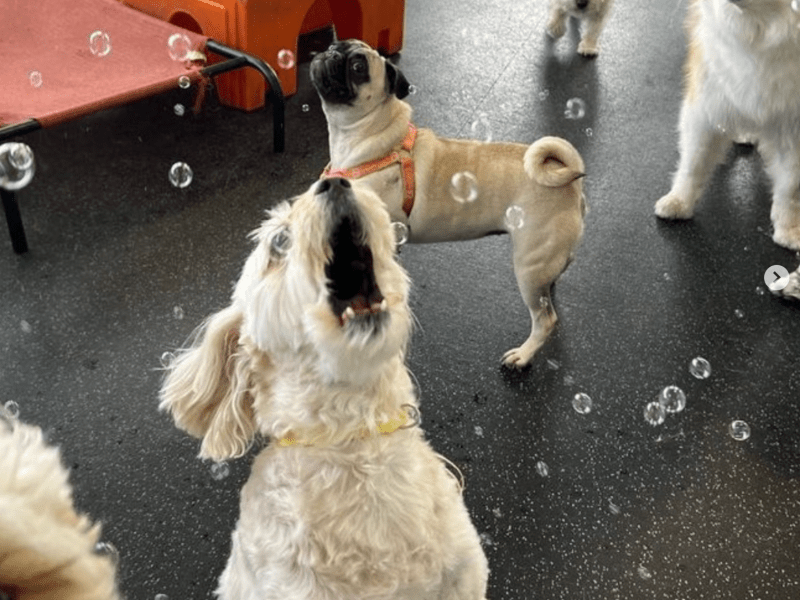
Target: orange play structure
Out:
[269,30]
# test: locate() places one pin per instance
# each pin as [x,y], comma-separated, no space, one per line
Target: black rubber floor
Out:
[571,506]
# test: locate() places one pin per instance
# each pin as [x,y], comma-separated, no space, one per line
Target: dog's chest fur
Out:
[349,520]
[747,66]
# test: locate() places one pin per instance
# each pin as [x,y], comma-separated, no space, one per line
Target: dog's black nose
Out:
[327,185]
[581,4]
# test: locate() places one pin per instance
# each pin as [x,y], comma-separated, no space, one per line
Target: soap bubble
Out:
[220,470]
[280,244]
[12,409]
[478,430]
[167,358]
[285,59]
[108,550]
[400,232]
[543,95]
[614,508]
[305,108]
[481,129]
[20,156]
[654,413]
[589,132]
[35,77]
[464,187]
[99,43]
[25,326]
[179,46]
[412,90]
[582,403]
[180,175]
[700,368]
[739,430]
[161,597]
[673,399]
[184,82]
[542,468]
[177,312]
[515,217]
[576,109]
[180,110]
[486,539]
[644,573]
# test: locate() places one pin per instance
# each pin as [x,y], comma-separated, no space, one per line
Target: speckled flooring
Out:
[123,266]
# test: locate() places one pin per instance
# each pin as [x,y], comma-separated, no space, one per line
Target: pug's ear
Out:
[396,82]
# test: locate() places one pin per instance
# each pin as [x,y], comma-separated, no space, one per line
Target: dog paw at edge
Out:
[673,207]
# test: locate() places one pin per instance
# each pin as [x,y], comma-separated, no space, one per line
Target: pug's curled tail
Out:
[553,162]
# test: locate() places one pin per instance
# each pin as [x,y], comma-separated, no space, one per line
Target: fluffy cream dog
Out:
[47,550]
[742,81]
[445,189]
[592,15]
[348,501]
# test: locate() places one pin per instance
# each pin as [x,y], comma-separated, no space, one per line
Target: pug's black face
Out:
[346,67]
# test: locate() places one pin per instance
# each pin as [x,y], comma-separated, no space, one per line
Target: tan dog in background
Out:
[742,81]
[47,550]
[592,15]
[348,501]
[534,192]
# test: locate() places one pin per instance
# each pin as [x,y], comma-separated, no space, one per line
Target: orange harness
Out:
[402,155]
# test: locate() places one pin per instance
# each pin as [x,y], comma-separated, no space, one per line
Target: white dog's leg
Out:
[784,169]
[793,289]
[557,22]
[702,148]
[590,44]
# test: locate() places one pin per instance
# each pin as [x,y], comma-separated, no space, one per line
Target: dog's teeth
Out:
[349,313]
[384,305]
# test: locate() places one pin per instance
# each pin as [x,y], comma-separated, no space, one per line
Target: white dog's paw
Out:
[672,206]
[588,49]
[788,237]
[792,290]
[556,28]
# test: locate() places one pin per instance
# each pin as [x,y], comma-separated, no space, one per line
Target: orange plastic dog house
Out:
[269,30]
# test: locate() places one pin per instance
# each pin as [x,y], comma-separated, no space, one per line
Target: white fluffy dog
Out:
[47,550]
[592,15]
[742,81]
[348,501]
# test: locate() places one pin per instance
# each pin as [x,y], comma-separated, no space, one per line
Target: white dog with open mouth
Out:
[446,189]
[742,81]
[348,501]
[592,14]
[47,550]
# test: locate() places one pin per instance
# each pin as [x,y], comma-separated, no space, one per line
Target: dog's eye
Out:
[358,66]
[280,244]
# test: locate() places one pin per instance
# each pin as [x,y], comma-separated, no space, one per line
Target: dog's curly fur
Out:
[341,510]
[592,14]
[742,82]
[47,550]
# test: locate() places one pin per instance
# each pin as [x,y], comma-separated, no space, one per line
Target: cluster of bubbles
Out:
[180,175]
[17,165]
[286,59]
[481,129]
[99,44]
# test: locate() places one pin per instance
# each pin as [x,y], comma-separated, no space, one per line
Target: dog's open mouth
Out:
[354,292]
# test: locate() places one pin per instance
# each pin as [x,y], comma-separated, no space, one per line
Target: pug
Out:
[453,189]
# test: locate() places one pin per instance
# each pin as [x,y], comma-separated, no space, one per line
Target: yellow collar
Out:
[384,428]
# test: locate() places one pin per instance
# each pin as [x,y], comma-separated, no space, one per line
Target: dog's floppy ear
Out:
[396,82]
[206,389]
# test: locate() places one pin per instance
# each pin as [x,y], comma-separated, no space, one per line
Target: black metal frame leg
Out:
[15,229]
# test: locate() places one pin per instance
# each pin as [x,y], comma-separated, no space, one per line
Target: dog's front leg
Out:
[784,168]
[702,148]
[557,22]
[590,44]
